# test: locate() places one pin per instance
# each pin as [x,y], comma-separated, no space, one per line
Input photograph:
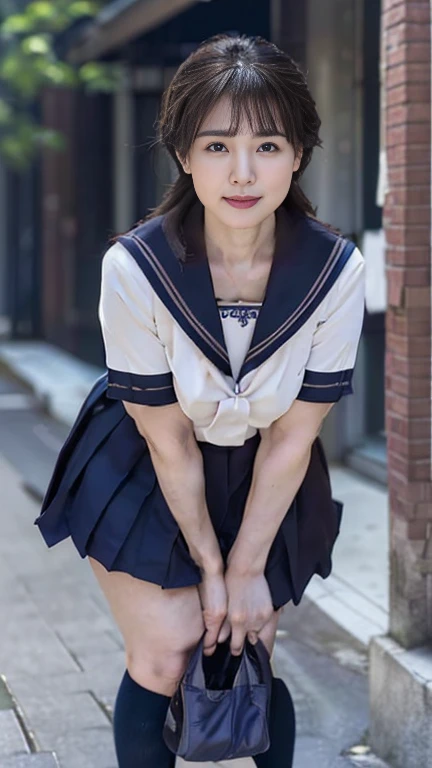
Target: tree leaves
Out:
[29,63]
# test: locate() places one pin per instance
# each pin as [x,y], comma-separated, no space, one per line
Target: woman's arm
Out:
[178,465]
[280,466]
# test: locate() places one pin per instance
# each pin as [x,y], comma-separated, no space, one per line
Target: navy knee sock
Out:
[282,729]
[139,716]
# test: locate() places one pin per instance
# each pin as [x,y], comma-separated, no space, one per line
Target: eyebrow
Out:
[260,134]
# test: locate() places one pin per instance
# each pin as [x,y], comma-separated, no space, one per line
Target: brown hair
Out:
[265,86]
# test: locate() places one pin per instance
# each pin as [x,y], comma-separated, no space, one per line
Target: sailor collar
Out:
[308,260]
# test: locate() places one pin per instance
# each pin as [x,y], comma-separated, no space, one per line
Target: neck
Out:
[233,247]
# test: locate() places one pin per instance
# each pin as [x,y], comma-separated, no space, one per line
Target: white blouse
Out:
[233,368]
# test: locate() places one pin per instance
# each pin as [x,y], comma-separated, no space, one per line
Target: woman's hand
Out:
[214,602]
[250,607]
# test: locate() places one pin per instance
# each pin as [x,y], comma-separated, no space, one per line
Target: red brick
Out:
[408,154]
[408,93]
[415,214]
[403,366]
[404,325]
[408,407]
[416,112]
[408,386]
[424,510]
[407,32]
[409,491]
[413,133]
[408,177]
[408,257]
[417,277]
[413,429]
[413,470]
[417,297]
[398,12]
[408,196]
[408,347]
[407,73]
[401,509]
[412,53]
[403,446]
[417,529]
[415,235]
[395,287]
[419,429]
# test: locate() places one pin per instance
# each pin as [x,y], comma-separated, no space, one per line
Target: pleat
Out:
[103,474]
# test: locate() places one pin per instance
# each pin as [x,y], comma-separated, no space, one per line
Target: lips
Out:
[242,198]
[239,201]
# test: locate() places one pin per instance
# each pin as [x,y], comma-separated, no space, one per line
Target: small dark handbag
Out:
[221,708]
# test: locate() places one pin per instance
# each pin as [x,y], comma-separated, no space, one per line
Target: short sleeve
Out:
[138,370]
[330,366]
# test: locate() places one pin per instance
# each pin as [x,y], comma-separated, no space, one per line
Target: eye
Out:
[267,145]
[215,144]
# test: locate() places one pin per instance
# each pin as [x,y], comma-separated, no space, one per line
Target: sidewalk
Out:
[355,596]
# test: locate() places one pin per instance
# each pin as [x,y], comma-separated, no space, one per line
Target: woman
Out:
[231,320]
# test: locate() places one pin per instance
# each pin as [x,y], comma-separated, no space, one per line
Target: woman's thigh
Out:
[160,627]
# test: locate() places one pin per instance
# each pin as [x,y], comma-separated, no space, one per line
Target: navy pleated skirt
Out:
[105,495]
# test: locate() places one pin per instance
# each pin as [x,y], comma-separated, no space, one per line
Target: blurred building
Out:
[61,217]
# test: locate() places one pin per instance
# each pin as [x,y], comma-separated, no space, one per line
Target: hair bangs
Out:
[254,104]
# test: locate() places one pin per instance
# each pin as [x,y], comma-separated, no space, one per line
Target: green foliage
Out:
[29,62]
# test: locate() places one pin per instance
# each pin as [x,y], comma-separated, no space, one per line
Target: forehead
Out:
[223,115]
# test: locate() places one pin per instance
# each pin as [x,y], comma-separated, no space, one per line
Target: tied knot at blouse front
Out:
[234,368]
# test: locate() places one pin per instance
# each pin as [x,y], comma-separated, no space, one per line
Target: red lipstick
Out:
[242,201]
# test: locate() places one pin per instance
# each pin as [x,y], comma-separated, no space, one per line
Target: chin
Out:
[246,218]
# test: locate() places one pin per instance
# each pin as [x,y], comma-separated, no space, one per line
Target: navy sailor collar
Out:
[308,260]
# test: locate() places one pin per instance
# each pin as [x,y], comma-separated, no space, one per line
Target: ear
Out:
[297,161]
[184,163]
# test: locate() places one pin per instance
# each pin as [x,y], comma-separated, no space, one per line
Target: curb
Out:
[58,380]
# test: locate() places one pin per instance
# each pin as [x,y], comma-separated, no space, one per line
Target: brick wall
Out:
[406,30]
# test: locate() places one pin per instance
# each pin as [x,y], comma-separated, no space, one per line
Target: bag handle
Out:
[246,672]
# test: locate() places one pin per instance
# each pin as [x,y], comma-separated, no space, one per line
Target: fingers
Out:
[213,627]
[224,632]
[267,633]
[238,635]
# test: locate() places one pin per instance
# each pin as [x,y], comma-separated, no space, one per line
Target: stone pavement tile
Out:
[48,716]
[107,654]
[73,725]
[311,752]
[12,740]
[103,677]
[39,760]
[29,644]
[91,748]
[62,598]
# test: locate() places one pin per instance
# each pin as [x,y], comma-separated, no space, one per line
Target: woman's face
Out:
[244,165]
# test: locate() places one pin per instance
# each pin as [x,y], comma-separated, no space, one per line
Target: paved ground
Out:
[61,655]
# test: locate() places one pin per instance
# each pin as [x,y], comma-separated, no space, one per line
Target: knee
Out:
[161,674]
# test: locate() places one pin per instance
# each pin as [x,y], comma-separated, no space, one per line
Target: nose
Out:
[242,170]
